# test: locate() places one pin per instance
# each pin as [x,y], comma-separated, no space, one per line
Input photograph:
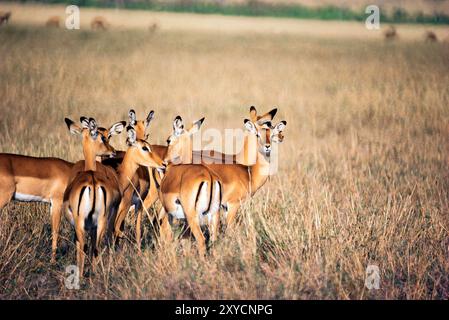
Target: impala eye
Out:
[103,139]
[168,141]
[146,149]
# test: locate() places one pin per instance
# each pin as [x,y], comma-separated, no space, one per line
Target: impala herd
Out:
[96,194]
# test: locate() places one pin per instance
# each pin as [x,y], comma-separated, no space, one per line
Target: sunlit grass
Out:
[363,169]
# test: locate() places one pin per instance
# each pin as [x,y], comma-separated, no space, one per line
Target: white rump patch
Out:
[99,204]
[202,203]
[85,204]
[215,205]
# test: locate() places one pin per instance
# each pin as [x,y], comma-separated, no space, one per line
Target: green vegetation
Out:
[256,8]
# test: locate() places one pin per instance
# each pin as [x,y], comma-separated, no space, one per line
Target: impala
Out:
[92,199]
[183,147]
[142,182]
[189,191]
[35,179]
[242,181]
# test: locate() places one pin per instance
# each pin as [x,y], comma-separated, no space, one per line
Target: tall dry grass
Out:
[363,175]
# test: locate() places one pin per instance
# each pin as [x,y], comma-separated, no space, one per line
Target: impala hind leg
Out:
[214,226]
[55,213]
[194,224]
[80,249]
[97,239]
[165,231]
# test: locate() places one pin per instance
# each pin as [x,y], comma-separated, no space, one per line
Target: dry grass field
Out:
[363,176]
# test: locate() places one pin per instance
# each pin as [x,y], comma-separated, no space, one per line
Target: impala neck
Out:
[126,170]
[90,163]
[258,164]
[260,172]
[248,155]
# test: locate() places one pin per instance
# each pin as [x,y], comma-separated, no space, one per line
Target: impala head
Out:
[95,139]
[180,143]
[266,135]
[140,125]
[261,120]
[140,151]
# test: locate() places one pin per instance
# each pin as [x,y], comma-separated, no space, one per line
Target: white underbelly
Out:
[29,198]
[203,219]
[178,213]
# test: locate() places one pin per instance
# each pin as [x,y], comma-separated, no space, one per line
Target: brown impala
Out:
[92,199]
[189,191]
[33,179]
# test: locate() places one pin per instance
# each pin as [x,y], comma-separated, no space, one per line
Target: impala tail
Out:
[208,199]
[216,197]
[91,203]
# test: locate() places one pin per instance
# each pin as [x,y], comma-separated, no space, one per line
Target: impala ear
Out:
[178,126]
[73,128]
[249,125]
[117,128]
[93,128]
[253,113]
[84,122]
[131,140]
[267,117]
[279,127]
[196,126]
[132,117]
[149,118]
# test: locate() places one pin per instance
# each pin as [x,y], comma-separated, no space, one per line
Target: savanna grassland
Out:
[363,175]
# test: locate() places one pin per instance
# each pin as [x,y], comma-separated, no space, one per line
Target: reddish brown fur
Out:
[391,33]
[99,23]
[54,21]
[431,36]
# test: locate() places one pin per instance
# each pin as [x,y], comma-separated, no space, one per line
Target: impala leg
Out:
[101,229]
[193,221]
[214,225]
[232,212]
[6,193]
[152,195]
[119,220]
[55,213]
[138,229]
[151,198]
[166,233]
[80,254]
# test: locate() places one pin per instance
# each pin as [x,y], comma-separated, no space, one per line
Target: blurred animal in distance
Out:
[54,22]
[430,36]
[99,23]
[390,33]
[4,17]
[153,27]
